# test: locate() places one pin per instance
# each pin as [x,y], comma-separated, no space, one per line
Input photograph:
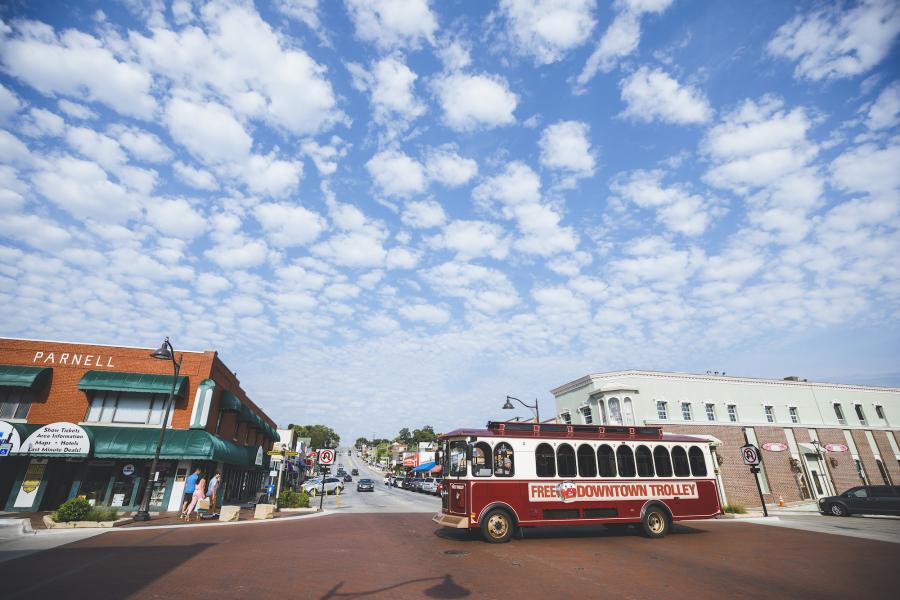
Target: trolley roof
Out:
[519,429]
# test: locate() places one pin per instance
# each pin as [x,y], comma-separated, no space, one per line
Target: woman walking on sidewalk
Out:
[199,494]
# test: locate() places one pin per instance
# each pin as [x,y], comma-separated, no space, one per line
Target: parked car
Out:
[354,472]
[398,482]
[348,478]
[387,480]
[332,484]
[365,485]
[428,485]
[863,500]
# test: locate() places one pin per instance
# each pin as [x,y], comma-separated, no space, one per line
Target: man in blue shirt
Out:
[190,485]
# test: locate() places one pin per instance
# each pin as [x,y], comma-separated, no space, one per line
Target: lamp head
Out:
[164,352]
[508,405]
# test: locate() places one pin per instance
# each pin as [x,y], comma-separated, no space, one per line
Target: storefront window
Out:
[95,483]
[14,403]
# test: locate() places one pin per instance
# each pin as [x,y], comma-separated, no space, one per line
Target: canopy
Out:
[24,377]
[228,401]
[132,382]
[140,442]
[425,466]
[437,469]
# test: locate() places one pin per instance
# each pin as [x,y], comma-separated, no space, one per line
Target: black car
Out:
[365,485]
[354,472]
[347,477]
[863,500]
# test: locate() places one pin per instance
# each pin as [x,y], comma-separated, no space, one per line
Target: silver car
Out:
[332,484]
[428,485]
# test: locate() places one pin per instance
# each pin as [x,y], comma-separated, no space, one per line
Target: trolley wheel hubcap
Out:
[655,522]
[498,525]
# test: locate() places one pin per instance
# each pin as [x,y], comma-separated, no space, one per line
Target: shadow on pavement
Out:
[562,531]
[445,588]
[110,572]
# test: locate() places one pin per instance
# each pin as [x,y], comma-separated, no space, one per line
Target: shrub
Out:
[75,509]
[737,509]
[291,499]
[103,514]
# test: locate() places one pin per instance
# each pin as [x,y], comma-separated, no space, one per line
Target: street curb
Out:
[224,524]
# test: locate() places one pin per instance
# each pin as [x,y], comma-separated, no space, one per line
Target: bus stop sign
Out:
[750,454]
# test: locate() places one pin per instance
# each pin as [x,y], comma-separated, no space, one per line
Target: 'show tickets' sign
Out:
[579,492]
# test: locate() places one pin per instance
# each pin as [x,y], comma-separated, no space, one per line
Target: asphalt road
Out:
[366,549]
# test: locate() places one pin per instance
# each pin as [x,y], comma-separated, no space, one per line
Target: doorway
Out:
[60,478]
[817,476]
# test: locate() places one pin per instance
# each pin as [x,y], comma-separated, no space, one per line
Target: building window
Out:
[606,461]
[770,414]
[126,407]
[732,413]
[615,412]
[839,413]
[662,410]
[566,418]
[503,460]
[860,414]
[545,461]
[686,411]
[795,416]
[861,471]
[587,461]
[14,403]
[879,412]
[710,412]
[588,415]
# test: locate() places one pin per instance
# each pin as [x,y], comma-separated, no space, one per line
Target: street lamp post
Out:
[509,406]
[165,352]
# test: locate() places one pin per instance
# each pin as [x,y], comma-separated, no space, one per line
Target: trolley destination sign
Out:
[577,491]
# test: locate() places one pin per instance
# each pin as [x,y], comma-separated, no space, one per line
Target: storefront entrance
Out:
[10,469]
[61,475]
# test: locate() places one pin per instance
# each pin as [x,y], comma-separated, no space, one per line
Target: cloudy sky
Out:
[386,213]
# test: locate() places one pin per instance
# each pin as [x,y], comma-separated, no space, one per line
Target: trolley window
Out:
[458,459]
[625,461]
[662,461]
[680,462]
[644,461]
[545,461]
[587,462]
[565,461]
[503,460]
[698,462]
[606,461]
[481,460]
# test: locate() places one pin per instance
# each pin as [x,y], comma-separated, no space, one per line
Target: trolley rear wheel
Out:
[655,522]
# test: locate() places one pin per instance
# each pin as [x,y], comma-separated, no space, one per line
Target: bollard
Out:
[337,499]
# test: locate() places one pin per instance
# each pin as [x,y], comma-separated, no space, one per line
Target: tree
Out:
[321,436]
[361,441]
[425,434]
[404,437]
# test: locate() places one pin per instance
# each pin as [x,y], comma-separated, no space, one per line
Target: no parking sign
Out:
[326,456]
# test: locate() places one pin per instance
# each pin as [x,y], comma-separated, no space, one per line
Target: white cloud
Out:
[548,29]
[355,249]
[455,56]
[620,39]
[517,184]
[9,103]
[393,23]
[565,145]
[472,102]
[82,189]
[76,110]
[270,175]
[210,284]
[676,208]
[401,258]
[325,156]
[445,166]
[143,145]
[885,111]
[304,11]
[208,130]
[650,95]
[483,289]
[40,122]
[238,253]
[380,323]
[196,178]
[423,214]
[868,168]
[176,217]
[426,313]
[837,41]
[396,174]
[473,239]
[391,87]
[75,64]
[289,225]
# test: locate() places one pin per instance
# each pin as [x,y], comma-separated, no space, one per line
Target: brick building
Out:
[816,439]
[83,420]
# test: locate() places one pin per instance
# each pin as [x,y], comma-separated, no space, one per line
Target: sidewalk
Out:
[793,508]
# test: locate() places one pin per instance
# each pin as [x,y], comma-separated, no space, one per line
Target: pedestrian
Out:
[213,492]
[189,485]
[199,494]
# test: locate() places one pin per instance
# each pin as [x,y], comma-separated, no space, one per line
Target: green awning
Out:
[132,382]
[140,442]
[24,377]
[228,401]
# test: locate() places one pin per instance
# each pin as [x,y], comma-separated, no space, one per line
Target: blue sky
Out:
[388,213]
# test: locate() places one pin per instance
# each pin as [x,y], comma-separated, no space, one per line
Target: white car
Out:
[429,485]
[332,484]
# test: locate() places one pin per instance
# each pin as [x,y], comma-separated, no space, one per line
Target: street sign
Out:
[750,454]
[282,453]
[326,456]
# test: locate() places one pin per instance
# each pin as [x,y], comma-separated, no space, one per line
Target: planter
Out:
[51,524]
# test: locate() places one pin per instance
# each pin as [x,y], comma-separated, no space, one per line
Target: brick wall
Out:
[887,455]
[839,464]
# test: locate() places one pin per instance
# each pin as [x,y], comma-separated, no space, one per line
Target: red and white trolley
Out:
[515,474]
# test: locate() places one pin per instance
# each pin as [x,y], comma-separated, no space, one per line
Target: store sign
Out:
[128,470]
[837,447]
[259,456]
[58,438]
[9,435]
[70,359]
[775,447]
[568,491]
